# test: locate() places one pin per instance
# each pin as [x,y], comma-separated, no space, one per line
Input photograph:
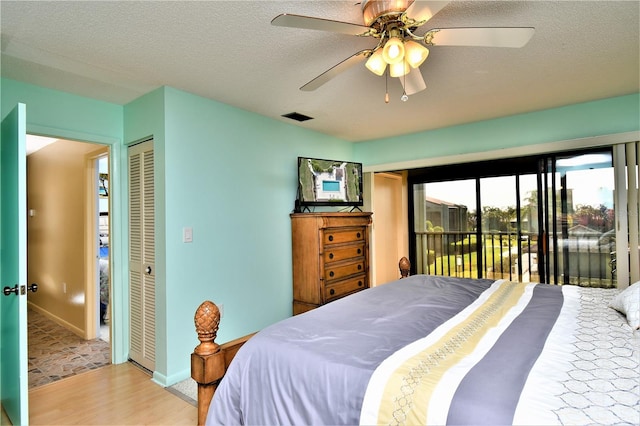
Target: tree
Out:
[496,219]
[472,221]
[593,217]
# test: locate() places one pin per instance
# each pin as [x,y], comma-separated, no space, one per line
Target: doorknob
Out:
[148,270]
[8,290]
[16,289]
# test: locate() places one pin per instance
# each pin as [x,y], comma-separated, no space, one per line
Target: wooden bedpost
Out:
[405,267]
[207,360]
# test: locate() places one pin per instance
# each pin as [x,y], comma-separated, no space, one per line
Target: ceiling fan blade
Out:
[335,70]
[420,11]
[413,82]
[487,37]
[311,23]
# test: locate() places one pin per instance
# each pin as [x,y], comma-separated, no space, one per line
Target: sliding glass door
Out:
[445,228]
[582,244]
[537,219]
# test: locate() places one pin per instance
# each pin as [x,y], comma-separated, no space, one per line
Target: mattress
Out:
[546,355]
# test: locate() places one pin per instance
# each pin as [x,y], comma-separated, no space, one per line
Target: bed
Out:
[433,350]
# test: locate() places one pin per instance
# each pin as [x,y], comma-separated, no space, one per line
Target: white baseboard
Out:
[57,320]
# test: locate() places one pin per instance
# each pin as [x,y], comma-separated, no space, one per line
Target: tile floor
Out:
[56,353]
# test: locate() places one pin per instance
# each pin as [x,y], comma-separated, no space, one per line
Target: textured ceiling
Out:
[228,51]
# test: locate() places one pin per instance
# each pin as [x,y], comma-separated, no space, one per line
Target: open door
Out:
[13,267]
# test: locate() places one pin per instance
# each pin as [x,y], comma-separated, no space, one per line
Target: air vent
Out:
[297,116]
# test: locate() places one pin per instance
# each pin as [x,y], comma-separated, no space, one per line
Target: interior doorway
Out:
[389,245]
[64,257]
[101,165]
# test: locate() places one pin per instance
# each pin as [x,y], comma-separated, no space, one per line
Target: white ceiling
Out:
[228,51]
[36,143]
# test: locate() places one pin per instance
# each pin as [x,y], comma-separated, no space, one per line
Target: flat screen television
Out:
[328,183]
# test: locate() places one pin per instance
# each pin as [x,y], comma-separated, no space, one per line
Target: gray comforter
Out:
[314,368]
[558,355]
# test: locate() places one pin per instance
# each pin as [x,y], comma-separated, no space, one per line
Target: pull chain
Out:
[386,87]
[404,96]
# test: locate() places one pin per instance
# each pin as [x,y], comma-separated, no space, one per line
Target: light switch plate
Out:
[187,235]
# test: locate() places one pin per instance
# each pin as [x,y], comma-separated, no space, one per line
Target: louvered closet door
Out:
[142,329]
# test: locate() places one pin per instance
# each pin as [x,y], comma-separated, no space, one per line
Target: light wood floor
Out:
[120,394]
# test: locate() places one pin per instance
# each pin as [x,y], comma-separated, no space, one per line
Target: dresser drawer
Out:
[342,270]
[337,236]
[338,253]
[342,288]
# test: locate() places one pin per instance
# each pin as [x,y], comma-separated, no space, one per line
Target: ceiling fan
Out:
[396,23]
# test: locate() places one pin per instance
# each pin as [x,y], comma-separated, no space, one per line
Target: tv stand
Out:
[300,209]
[355,208]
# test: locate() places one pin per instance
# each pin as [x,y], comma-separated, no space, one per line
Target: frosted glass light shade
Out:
[415,53]
[393,51]
[376,63]
[399,69]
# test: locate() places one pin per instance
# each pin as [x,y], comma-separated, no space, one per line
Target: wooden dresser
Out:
[330,257]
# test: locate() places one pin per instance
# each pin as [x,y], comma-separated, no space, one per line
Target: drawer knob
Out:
[331,274]
[359,251]
[332,292]
[330,255]
[359,283]
[358,235]
[359,267]
[330,237]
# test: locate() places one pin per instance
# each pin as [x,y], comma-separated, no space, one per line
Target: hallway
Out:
[56,353]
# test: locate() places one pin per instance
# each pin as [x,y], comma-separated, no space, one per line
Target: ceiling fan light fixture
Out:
[395,24]
[415,53]
[374,9]
[393,50]
[399,69]
[376,63]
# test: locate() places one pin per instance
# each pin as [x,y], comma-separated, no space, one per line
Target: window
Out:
[540,219]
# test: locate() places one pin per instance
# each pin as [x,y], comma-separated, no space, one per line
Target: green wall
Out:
[144,119]
[231,176]
[63,115]
[227,173]
[52,112]
[602,117]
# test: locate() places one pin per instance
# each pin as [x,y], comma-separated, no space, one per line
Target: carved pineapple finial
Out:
[207,319]
[405,267]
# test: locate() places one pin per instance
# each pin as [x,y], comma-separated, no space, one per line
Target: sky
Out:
[590,187]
